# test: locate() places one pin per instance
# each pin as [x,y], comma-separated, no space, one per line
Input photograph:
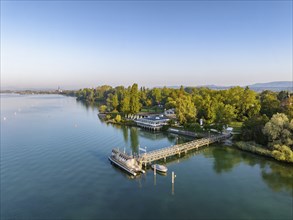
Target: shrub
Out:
[102,108]
[253,147]
[283,153]
[118,118]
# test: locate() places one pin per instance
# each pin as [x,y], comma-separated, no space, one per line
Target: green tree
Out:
[125,104]
[157,95]
[244,101]
[171,103]
[165,94]
[109,102]
[252,129]
[279,130]
[148,102]
[101,92]
[207,106]
[233,97]
[134,104]
[287,106]
[115,101]
[269,103]
[89,95]
[185,110]
[224,115]
[143,96]
[112,102]
[119,91]
[250,105]
[283,95]
[103,108]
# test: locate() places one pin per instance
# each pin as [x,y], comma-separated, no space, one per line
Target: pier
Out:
[179,149]
[134,164]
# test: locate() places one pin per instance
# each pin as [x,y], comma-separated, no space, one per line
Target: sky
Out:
[76,44]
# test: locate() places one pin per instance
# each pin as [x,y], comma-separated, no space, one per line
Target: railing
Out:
[179,148]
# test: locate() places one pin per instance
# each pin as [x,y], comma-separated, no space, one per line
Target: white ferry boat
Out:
[126,162]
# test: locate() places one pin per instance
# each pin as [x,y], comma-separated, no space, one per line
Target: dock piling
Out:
[173,177]
[173,181]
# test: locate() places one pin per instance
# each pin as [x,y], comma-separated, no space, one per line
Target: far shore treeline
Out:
[265,119]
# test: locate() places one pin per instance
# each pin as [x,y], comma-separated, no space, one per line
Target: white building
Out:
[170,112]
[152,122]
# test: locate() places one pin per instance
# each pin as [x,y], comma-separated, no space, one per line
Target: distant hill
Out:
[274,86]
[258,87]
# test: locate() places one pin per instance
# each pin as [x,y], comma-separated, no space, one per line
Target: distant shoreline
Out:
[275,86]
[39,92]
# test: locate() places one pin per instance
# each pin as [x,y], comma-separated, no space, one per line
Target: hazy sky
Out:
[77,44]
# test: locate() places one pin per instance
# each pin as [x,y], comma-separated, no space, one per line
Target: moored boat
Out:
[126,162]
[160,168]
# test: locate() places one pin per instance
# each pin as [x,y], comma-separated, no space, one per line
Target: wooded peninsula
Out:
[263,120]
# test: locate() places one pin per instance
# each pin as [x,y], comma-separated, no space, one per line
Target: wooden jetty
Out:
[178,149]
[163,153]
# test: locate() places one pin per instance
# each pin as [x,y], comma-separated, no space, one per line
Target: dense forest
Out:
[266,118]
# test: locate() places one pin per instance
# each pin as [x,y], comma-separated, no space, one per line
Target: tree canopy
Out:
[218,107]
[279,130]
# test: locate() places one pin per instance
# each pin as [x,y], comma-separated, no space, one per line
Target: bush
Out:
[195,127]
[254,148]
[165,127]
[118,118]
[283,153]
[102,108]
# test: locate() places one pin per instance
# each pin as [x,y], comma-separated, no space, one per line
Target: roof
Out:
[156,117]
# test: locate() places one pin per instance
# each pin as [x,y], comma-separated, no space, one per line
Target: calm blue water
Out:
[54,166]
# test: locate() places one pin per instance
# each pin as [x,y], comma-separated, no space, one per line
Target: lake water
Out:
[54,165]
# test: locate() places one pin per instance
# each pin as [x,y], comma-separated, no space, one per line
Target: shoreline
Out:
[256,149]
[250,147]
[169,129]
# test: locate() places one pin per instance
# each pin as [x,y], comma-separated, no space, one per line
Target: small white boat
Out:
[160,168]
